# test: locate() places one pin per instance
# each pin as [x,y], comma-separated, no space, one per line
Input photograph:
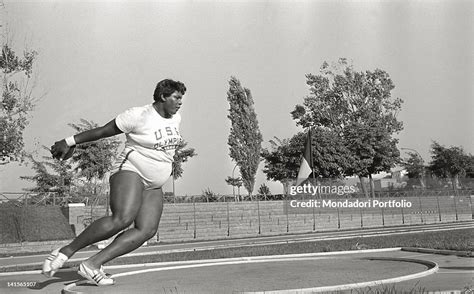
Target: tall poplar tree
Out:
[245,139]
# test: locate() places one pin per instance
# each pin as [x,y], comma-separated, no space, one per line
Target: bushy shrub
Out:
[33,223]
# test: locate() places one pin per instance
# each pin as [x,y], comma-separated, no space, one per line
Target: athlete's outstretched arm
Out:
[60,149]
[108,130]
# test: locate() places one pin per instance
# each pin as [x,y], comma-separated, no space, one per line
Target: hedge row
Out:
[26,224]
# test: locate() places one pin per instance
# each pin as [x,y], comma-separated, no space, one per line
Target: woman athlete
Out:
[152,133]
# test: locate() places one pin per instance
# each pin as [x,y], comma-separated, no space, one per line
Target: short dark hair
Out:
[167,87]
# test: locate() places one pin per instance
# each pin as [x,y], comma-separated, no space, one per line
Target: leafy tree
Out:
[450,162]
[234,182]
[17,99]
[245,139]
[358,108]
[264,191]
[470,166]
[181,156]
[85,172]
[372,150]
[282,161]
[93,159]
[51,175]
[209,196]
[331,158]
[414,165]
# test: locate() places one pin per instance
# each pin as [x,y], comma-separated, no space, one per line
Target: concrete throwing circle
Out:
[306,273]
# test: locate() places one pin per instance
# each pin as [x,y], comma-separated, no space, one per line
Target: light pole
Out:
[174,192]
[422,166]
[233,186]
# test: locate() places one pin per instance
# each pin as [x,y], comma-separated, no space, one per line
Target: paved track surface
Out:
[255,275]
[267,274]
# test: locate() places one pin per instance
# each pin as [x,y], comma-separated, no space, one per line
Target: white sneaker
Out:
[53,262]
[96,276]
[102,271]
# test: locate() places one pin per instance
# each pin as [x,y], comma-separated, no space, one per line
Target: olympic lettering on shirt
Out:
[167,138]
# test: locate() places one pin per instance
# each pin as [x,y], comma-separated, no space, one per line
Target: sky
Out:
[98,58]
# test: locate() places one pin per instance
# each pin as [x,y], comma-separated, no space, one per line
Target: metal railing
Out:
[50,198]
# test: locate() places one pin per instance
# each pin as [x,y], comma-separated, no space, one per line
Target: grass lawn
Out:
[459,240]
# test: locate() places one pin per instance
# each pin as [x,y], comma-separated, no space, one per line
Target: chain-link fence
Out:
[204,218]
[199,220]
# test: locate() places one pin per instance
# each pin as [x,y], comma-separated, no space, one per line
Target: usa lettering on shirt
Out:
[168,139]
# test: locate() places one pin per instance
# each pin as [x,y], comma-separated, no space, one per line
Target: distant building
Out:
[392,180]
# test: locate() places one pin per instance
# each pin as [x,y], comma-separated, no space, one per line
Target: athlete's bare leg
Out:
[126,191]
[146,225]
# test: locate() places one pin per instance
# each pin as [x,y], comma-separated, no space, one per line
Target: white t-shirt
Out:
[149,133]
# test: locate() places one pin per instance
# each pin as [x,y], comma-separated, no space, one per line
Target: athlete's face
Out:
[172,103]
